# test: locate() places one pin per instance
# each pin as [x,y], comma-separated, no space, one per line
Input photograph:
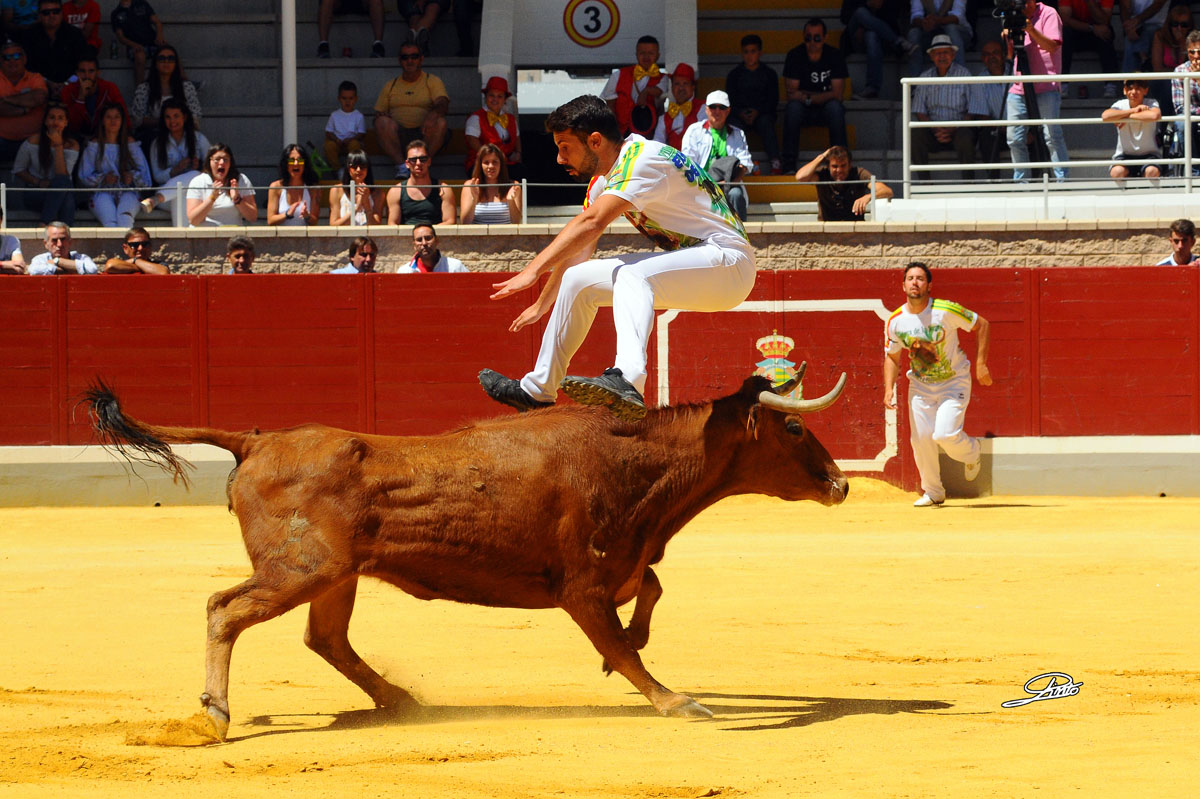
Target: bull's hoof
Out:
[688,709]
[607,669]
[218,719]
[395,698]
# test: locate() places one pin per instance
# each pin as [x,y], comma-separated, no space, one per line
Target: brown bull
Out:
[566,507]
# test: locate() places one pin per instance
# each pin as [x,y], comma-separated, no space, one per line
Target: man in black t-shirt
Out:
[843,190]
[753,89]
[55,47]
[814,76]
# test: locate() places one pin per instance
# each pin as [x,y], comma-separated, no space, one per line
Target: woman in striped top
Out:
[489,196]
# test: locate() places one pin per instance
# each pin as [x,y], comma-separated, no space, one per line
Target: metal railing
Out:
[907,84]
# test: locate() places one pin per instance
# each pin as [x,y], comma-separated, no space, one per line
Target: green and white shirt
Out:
[931,338]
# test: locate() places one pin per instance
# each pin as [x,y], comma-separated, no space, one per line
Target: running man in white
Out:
[939,378]
[708,264]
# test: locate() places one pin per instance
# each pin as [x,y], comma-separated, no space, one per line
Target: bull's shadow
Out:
[741,713]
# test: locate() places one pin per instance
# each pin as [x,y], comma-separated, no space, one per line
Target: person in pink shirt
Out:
[1043,47]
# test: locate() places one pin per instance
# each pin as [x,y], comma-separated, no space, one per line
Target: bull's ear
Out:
[752,420]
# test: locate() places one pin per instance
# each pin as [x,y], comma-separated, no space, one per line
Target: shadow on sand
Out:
[749,712]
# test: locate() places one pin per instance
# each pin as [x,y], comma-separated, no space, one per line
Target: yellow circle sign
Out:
[591,23]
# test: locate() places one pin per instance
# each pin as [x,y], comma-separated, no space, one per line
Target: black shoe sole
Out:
[587,393]
[522,406]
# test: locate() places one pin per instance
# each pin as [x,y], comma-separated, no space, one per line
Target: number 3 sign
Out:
[591,23]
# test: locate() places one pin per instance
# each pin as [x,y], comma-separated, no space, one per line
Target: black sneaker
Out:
[377,49]
[611,389]
[323,50]
[507,391]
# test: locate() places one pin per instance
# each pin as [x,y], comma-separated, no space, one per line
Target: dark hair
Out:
[347,86]
[838,151]
[648,40]
[752,38]
[816,21]
[1184,227]
[491,149]
[161,137]
[239,243]
[215,148]
[356,158]
[45,159]
[1145,84]
[429,225]
[583,116]
[134,231]
[417,144]
[308,177]
[41,3]
[176,80]
[359,242]
[918,265]
[125,162]
[88,54]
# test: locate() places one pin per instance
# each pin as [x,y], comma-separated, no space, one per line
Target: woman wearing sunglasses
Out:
[361,205]
[166,81]
[1169,49]
[290,201]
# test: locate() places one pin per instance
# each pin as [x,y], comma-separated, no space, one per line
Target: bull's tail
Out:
[138,442]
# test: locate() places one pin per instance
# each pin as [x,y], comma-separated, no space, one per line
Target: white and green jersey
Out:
[931,338]
[676,203]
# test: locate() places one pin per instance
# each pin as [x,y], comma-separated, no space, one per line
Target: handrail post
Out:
[179,208]
[524,200]
[1045,194]
[905,137]
[4,202]
[873,214]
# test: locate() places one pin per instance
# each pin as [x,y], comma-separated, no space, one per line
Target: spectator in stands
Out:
[137,248]
[22,100]
[220,194]
[942,103]
[346,128]
[328,8]
[426,255]
[753,89]
[1136,118]
[54,48]
[1191,65]
[1183,238]
[843,190]
[59,258]
[875,23]
[932,17]
[85,15]
[490,196]
[635,92]
[168,81]
[411,106]
[987,102]
[20,18]
[290,201]
[421,197]
[12,262]
[136,26]
[421,16]
[683,109]
[1169,49]
[239,252]
[362,205]
[44,167]
[721,150]
[464,11]
[363,252]
[1141,19]
[114,165]
[1043,46]
[87,96]
[814,76]
[176,154]
[491,125]
[1087,25]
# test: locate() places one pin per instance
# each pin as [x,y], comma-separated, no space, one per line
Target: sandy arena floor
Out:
[855,651]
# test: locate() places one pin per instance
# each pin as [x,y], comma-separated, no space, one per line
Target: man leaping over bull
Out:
[708,266]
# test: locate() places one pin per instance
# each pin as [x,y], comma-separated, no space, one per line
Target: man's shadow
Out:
[765,712]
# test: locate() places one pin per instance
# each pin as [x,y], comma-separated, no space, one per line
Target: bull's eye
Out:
[794,427]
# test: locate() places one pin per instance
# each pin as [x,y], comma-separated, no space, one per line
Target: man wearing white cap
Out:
[682,109]
[714,139]
[945,102]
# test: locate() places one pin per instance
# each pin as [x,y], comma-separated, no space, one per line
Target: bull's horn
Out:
[790,385]
[776,402]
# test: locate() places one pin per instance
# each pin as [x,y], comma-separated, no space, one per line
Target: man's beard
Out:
[588,170]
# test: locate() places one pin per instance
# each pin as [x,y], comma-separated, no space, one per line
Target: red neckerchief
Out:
[419,266]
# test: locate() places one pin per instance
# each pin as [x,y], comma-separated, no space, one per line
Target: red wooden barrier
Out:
[1075,351]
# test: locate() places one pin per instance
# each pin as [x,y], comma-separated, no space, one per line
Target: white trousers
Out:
[936,415]
[167,190]
[700,278]
[115,209]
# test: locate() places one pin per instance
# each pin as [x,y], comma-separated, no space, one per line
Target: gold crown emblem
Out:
[775,345]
